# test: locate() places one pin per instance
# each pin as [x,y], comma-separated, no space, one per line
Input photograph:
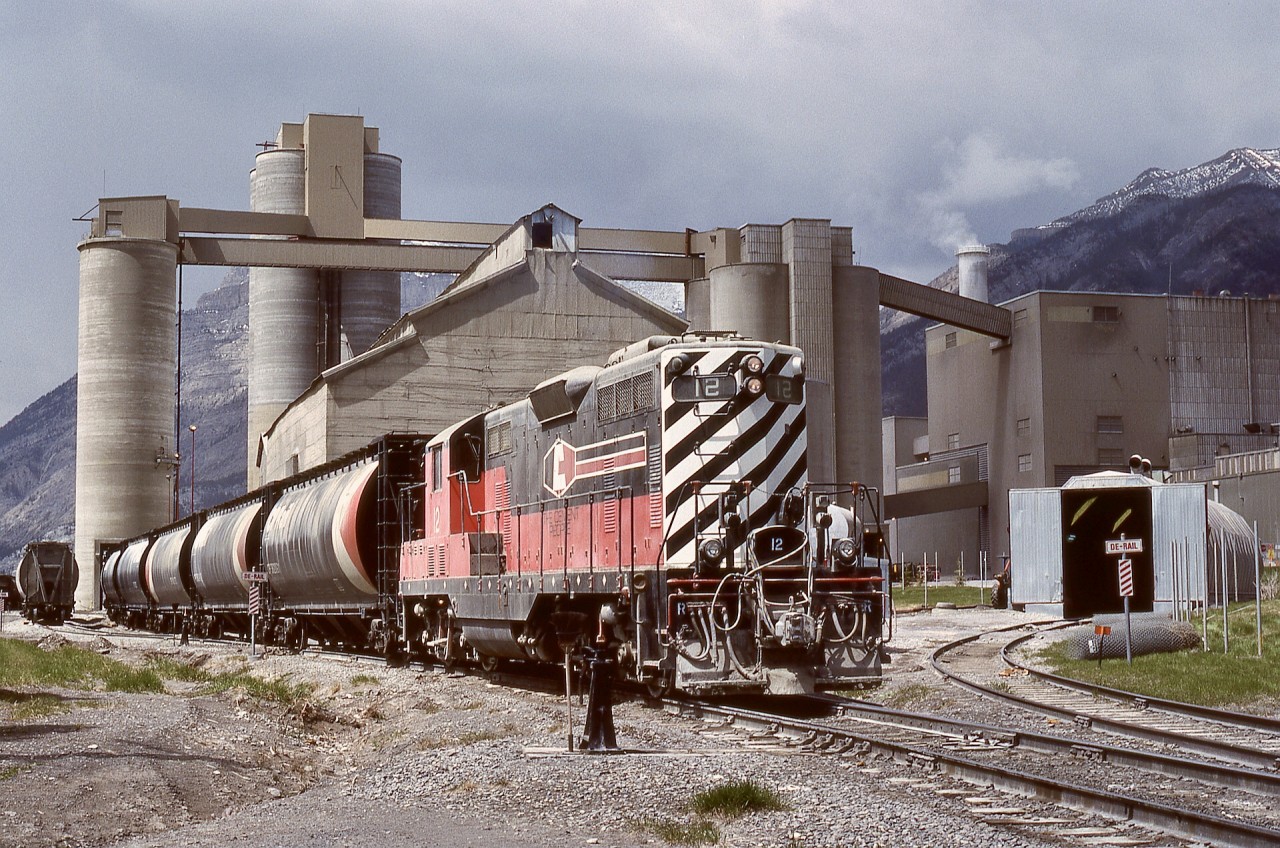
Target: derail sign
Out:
[1123,546]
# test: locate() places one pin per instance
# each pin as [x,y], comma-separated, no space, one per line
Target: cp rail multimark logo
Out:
[564,464]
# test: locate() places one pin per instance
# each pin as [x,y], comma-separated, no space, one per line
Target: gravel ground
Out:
[405,757]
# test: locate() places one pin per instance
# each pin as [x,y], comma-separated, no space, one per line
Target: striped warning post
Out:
[255,599]
[1126,578]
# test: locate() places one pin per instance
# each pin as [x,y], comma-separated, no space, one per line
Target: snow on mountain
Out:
[1242,166]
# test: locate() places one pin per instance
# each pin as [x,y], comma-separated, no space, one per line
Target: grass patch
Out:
[278,689]
[734,800]
[908,694]
[364,680]
[728,801]
[12,772]
[23,664]
[470,737]
[1205,677]
[962,596]
[699,832]
[174,669]
[24,705]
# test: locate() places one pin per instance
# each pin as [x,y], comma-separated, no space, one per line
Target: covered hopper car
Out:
[45,582]
[659,505]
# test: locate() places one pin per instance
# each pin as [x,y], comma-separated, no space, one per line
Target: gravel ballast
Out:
[400,757]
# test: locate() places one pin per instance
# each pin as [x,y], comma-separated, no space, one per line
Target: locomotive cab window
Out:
[437,468]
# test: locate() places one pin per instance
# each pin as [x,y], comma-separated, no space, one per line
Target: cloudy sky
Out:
[918,124]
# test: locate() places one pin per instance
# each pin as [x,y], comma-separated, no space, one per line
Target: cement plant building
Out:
[1084,381]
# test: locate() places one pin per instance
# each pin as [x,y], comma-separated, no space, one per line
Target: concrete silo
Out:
[750,298]
[302,321]
[369,301]
[284,304]
[125,400]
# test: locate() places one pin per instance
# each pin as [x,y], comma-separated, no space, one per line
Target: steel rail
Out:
[1146,702]
[1151,814]
[1222,750]
[1219,774]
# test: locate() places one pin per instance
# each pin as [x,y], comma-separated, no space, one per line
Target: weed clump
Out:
[728,801]
[734,800]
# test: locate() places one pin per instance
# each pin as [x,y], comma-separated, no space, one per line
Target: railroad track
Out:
[1011,765]
[929,756]
[983,664]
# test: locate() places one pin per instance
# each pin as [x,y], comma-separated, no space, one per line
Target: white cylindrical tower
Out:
[127,357]
[750,298]
[370,300]
[971,262]
[284,305]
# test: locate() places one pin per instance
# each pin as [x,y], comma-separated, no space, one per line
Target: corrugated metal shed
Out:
[1181,545]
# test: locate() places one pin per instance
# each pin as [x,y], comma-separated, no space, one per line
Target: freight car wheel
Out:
[489,664]
[297,638]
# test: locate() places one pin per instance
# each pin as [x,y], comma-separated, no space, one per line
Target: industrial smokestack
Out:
[971,259]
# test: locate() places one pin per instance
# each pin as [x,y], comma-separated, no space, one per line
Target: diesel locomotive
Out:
[659,505]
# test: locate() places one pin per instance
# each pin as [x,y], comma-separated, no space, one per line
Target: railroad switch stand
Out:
[602,662]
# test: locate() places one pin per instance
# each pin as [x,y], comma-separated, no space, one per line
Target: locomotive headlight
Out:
[754,385]
[677,365]
[797,362]
[846,550]
[711,551]
[753,364]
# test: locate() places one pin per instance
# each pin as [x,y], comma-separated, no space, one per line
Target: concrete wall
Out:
[1082,384]
[855,322]
[476,348]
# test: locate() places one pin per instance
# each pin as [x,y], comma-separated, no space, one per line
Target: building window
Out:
[114,223]
[1111,457]
[1106,315]
[1024,426]
[1019,317]
[953,441]
[953,474]
[950,340]
[541,233]
[1111,424]
[1024,462]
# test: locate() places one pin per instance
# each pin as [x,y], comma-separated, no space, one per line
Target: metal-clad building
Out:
[1060,564]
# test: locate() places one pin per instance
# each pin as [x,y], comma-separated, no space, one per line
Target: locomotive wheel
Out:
[660,686]
[452,650]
